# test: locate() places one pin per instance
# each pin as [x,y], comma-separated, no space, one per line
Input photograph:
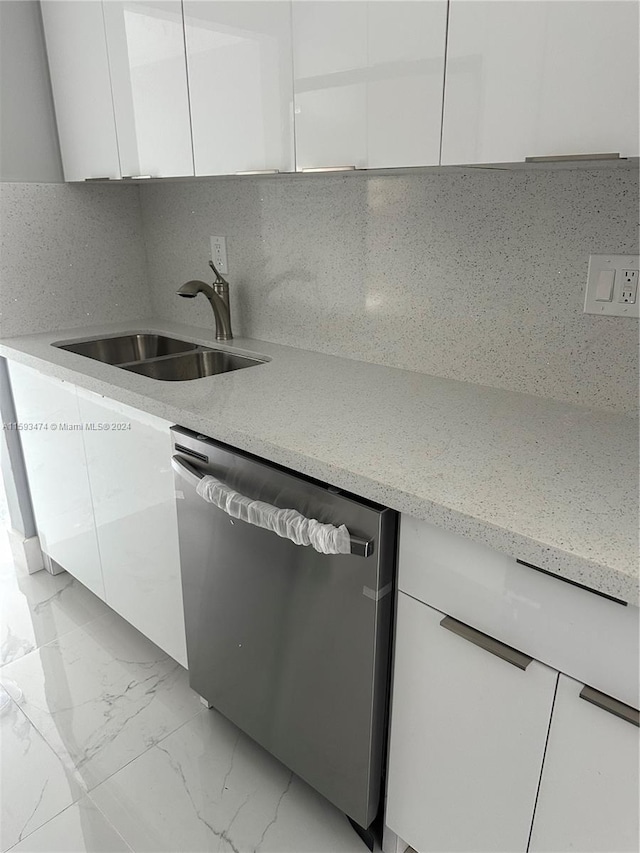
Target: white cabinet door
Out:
[51,434]
[79,70]
[145,40]
[240,85]
[368,82]
[589,795]
[540,78]
[129,461]
[468,732]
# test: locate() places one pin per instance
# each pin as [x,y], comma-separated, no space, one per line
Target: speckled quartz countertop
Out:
[551,483]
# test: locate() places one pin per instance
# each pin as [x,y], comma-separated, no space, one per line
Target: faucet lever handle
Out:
[219,279]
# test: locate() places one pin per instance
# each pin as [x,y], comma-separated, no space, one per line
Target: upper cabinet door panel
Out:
[240,84]
[79,70]
[149,79]
[330,83]
[540,79]
[368,82]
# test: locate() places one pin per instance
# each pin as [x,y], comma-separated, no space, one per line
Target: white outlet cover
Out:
[614,307]
[219,254]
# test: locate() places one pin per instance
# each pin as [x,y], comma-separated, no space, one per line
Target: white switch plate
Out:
[621,266]
[219,253]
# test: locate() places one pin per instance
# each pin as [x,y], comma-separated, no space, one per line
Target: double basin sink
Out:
[160,357]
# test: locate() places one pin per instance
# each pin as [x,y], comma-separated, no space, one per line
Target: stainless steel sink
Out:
[160,357]
[128,348]
[194,365]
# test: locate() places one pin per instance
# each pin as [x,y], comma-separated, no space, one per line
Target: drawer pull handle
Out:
[566,158]
[137,177]
[573,583]
[259,172]
[311,169]
[101,179]
[613,706]
[484,641]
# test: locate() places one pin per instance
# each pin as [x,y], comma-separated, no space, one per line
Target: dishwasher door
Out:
[290,644]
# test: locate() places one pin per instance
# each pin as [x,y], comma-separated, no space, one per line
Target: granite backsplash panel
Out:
[476,275]
[70,255]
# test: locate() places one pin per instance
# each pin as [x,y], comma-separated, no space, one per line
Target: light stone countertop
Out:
[548,482]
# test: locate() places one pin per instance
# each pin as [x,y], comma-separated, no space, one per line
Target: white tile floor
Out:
[104,747]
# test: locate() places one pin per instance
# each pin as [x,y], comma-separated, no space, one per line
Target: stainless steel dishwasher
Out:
[290,644]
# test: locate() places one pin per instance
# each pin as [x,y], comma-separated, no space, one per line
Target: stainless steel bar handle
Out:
[329,169]
[613,706]
[101,179]
[566,158]
[359,547]
[259,172]
[489,644]
[137,177]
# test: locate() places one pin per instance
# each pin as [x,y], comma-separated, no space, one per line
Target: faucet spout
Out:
[218,297]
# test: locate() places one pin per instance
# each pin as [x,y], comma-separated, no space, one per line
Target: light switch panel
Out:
[610,285]
[604,287]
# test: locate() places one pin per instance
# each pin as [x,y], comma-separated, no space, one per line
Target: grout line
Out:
[145,751]
[111,824]
[66,808]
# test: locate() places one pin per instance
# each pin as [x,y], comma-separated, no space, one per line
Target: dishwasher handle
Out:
[357,546]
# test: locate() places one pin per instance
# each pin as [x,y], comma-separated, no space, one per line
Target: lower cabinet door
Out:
[589,793]
[468,733]
[51,435]
[129,461]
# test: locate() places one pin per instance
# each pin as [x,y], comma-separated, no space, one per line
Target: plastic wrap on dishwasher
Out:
[288,523]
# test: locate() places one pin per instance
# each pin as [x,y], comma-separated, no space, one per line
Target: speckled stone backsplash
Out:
[70,255]
[474,275]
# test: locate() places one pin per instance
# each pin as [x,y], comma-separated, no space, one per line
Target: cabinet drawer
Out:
[571,629]
[468,730]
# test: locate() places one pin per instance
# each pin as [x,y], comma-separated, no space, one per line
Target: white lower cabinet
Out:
[102,487]
[51,434]
[468,733]
[129,464]
[589,794]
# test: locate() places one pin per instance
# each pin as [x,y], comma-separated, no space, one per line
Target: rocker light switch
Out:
[612,286]
[604,287]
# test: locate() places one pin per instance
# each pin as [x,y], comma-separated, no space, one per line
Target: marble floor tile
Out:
[35,609]
[101,695]
[80,828]
[34,783]
[207,787]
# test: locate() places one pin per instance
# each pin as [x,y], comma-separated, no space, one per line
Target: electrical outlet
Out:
[219,253]
[628,286]
[612,285]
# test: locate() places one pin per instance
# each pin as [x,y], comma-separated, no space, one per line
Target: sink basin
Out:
[160,357]
[194,365]
[128,347]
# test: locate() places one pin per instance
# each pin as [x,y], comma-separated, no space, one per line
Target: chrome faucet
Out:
[218,296]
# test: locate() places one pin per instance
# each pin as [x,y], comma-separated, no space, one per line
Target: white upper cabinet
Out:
[79,69]
[240,84]
[145,42]
[368,82]
[528,79]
